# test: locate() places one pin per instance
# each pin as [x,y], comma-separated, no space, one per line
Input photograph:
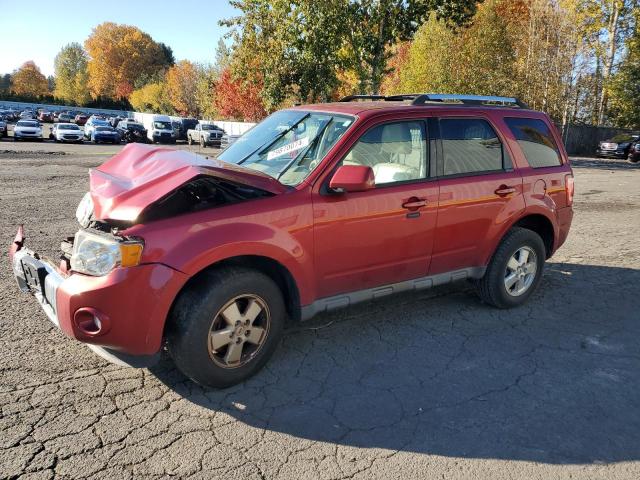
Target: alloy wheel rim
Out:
[521,271]
[238,331]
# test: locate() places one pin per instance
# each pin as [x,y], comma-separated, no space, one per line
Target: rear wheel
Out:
[515,270]
[224,328]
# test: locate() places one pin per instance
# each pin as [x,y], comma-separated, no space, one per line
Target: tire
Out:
[197,313]
[492,288]
[202,144]
[190,140]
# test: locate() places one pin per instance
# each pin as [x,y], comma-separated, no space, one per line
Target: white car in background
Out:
[27,129]
[91,124]
[66,132]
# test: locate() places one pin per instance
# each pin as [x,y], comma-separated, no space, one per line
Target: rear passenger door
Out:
[480,192]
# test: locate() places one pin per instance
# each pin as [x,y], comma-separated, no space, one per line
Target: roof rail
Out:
[351,98]
[426,98]
[468,100]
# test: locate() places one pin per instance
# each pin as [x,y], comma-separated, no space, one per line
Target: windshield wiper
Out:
[304,152]
[268,143]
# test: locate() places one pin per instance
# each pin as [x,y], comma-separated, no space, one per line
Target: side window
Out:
[471,145]
[536,141]
[395,151]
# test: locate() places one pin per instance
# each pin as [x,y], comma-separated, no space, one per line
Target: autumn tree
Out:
[182,85]
[153,97]
[72,75]
[28,80]
[120,54]
[236,99]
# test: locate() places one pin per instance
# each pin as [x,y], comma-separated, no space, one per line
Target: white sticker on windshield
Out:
[288,148]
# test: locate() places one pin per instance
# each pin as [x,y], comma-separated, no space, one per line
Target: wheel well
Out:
[271,268]
[542,226]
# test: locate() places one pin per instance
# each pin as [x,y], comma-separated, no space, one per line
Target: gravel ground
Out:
[429,385]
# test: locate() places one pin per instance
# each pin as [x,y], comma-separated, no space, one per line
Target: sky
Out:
[37,30]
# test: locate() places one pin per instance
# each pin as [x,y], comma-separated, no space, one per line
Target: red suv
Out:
[315,208]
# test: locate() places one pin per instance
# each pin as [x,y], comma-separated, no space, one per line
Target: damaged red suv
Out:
[315,208]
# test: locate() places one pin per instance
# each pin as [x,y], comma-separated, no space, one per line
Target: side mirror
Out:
[352,178]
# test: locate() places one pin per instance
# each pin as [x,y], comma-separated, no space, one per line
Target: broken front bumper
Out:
[131,304]
[39,278]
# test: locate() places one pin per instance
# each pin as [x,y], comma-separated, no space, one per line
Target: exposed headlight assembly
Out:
[97,255]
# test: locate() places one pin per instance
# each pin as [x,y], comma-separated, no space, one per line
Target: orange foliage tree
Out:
[182,88]
[238,100]
[119,56]
[29,80]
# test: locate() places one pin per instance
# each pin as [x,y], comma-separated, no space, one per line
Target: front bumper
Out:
[610,153]
[27,135]
[132,303]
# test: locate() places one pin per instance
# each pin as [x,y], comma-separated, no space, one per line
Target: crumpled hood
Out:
[123,186]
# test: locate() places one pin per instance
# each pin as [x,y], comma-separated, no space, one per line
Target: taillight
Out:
[569,189]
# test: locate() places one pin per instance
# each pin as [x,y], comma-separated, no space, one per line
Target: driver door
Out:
[383,235]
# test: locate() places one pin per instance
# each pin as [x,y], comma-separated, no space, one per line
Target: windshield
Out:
[100,123]
[67,126]
[205,126]
[28,124]
[289,144]
[162,125]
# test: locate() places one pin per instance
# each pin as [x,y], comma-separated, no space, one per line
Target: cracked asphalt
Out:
[427,385]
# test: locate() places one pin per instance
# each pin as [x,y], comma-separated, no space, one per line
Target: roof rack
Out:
[487,100]
[427,98]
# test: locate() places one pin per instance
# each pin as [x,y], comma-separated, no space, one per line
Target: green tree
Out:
[71,74]
[302,48]
[5,83]
[487,53]
[152,97]
[372,26]
[207,78]
[432,60]
[625,85]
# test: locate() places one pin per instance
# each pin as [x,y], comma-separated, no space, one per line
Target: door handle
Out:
[504,190]
[414,203]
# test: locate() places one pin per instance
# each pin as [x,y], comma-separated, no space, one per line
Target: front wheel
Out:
[515,270]
[202,144]
[190,140]
[225,327]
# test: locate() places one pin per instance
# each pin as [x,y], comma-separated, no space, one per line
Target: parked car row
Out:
[116,128]
[619,146]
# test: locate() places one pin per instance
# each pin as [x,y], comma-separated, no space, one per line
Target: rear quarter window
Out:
[536,141]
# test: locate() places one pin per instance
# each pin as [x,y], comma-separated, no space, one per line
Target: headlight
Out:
[84,212]
[97,255]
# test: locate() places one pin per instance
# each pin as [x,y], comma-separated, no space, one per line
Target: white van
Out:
[159,128]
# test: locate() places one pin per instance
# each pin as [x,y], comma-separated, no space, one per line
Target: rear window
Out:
[470,146]
[536,141]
